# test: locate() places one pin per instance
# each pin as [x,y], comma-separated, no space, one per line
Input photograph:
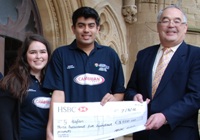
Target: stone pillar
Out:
[129,11]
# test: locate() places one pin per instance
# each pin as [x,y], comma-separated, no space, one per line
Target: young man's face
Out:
[85,31]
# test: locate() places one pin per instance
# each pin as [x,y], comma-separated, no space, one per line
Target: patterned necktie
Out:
[162,64]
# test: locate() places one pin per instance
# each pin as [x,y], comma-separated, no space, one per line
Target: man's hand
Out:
[155,121]
[108,97]
[138,97]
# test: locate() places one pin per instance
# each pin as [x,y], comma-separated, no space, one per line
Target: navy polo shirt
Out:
[34,112]
[84,78]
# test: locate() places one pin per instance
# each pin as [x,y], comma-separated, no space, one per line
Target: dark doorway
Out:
[11,50]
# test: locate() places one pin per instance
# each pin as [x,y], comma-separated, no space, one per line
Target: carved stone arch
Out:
[50,16]
[17,18]
[113,45]
[28,20]
[111,31]
[56,20]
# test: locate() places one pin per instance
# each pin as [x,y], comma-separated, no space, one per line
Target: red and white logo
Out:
[82,109]
[89,79]
[42,102]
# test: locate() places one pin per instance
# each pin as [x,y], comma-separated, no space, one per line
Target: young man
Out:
[84,71]
[173,96]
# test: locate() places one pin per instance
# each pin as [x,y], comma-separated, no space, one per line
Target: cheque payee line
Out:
[98,125]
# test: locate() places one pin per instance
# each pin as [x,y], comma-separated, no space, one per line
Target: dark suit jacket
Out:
[9,117]
[177,96]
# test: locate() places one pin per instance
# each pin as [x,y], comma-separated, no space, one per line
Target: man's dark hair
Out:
[86,12]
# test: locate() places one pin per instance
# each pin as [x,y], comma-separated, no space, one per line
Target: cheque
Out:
[91,121]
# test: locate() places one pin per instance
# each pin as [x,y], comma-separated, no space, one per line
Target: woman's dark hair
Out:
[86,12]
[17,81]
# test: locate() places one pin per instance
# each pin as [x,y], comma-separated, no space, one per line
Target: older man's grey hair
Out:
[171,6]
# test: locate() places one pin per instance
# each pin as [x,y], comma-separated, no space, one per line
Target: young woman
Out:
[24,104]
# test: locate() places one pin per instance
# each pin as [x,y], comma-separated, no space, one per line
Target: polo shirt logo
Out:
[102,67]
[31,90]
[70,67]
[42,102]
[89,79]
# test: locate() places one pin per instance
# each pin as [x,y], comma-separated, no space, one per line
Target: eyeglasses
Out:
[176,22]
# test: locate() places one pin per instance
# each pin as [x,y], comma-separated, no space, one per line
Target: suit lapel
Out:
[148,68]
[175,62]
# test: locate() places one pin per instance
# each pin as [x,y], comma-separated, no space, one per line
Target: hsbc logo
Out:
[83,109]
[72,109]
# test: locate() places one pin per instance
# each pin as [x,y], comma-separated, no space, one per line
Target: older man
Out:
[167,76]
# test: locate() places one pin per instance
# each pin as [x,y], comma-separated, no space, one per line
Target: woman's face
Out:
[37,56]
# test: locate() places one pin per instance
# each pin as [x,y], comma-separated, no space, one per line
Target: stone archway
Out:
[17,17]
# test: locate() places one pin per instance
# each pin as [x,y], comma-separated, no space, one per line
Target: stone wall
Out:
[143,33]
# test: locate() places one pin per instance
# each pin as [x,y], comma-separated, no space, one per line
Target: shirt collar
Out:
[174,48]
[73,45]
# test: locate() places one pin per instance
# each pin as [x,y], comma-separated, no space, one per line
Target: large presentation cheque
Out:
[91,121]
